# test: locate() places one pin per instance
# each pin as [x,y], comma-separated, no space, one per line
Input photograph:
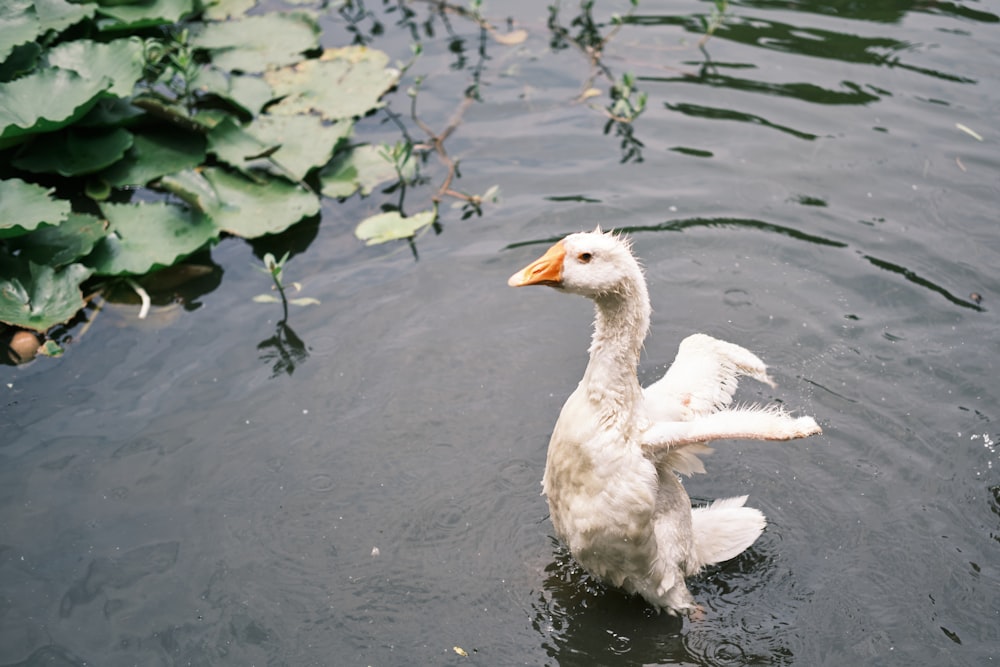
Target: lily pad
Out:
[342,83]
[63,244]
[35,296]
[253,209]
[232,144]
[220,10]
[193,188]
[45,101]
[361,168]
[22,60]
[25,206]
[256,43]
[144,14]
[306,142]
[156,153]
[392,226]
[122,60]
[247,92]
[58,14]
[18,24]
[75,152]
[149,236]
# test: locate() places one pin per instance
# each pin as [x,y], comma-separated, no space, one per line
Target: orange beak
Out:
[546,270]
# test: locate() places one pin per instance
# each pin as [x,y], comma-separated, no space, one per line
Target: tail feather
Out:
[724,529]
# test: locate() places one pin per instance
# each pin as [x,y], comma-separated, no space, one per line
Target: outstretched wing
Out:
[701,380]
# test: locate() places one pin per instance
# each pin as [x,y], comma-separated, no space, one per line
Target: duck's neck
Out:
[620,326]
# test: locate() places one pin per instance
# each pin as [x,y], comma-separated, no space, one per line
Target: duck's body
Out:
[610,475]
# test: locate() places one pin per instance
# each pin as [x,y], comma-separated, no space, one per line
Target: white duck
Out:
[610,477]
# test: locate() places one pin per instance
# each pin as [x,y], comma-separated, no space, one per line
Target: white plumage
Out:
[610,476]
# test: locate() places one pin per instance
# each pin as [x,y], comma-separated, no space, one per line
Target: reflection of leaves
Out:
[284,350]
[630,144]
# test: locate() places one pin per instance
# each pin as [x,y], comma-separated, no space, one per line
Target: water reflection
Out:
[285,351]
[885,11]
[583,622]
[747,223]
[690,223]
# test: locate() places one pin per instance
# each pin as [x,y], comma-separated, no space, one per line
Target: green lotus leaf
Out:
[149,236]
[252,209]
[306,142]
[361,75]
[194,189]
[249,93]
[110,112]
[156,153]
[144,13]
[18,24]
[62,244]
[25,207]
[74,152]
[120,59]
[361,168]
[220,10]
[46,101]
[392,226]
[58,15]
[256,43]
[232,144]
[22,60]
[35,296]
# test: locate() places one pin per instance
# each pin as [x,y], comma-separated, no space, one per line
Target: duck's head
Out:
[591,264]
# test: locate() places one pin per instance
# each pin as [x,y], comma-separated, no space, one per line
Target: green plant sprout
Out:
[275,269]
[714,20]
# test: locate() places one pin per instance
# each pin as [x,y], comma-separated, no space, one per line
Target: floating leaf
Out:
[220,10]
[149,236]
[255,43]
[122,60]
[156,153]
[62,244]
[74,152]
[45,101]
[110,112]
[22,59]
[305,142]
[192,188]
[510,38]
[361,168]
[360,74]
[25,206]
[58,15]
[392,226]
[253,209]
[234,145]
[50,348]
[145,14]
[18,24]
[35,296]
[249,93]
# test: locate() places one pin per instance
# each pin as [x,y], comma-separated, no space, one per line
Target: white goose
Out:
[610,477]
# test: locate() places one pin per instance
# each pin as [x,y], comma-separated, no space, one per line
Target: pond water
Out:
[361,486]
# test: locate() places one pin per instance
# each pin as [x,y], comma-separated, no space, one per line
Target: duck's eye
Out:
[585,257]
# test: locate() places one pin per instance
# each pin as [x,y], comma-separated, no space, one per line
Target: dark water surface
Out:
[171,495]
